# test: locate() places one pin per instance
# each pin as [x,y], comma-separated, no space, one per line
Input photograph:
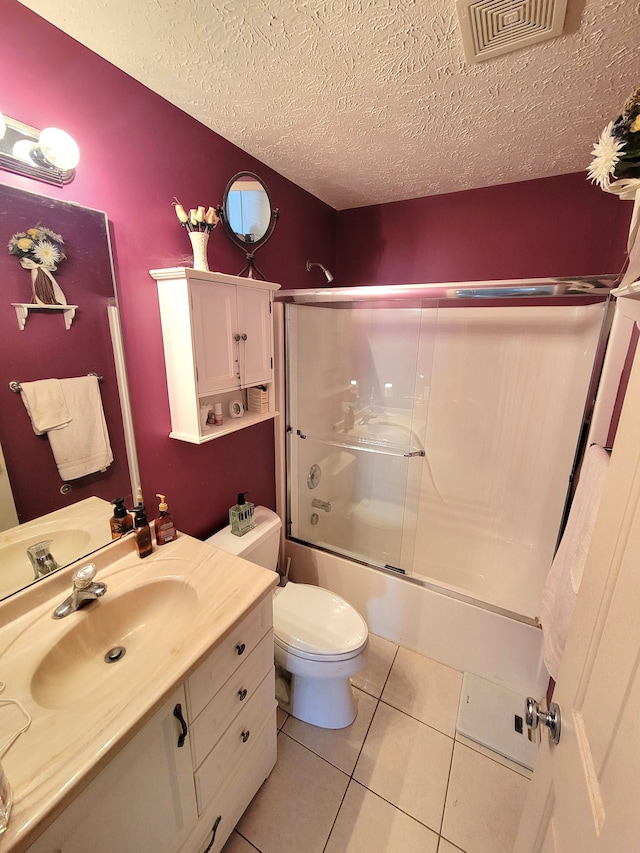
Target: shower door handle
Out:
[318,504]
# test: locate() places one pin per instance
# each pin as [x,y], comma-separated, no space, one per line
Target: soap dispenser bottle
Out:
[142,531]
[164,525]
[241,516]
[121,521]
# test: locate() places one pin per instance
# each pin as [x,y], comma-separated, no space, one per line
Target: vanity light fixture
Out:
[49,155]
[326,272]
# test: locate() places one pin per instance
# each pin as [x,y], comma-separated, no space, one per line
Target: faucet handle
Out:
[82,578]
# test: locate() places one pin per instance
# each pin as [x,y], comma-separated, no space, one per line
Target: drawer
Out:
[235,744]
[233,650]
[234,694]
[231,799]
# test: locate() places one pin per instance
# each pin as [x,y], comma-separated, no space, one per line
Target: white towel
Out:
[46,405]
[563,581]
[82,446]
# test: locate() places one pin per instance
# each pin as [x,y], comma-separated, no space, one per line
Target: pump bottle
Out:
[142,531]
[121,521]
[164,526]
[241,516]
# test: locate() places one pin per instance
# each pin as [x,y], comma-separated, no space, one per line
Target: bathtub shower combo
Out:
[432,431]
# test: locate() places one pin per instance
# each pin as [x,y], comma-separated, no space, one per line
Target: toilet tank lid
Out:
[266,520]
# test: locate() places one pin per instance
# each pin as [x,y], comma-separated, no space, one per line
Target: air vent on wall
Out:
[492,27]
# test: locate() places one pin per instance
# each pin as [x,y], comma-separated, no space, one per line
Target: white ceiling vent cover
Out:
[492,27]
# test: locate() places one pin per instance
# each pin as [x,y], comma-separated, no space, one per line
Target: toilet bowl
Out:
[319,638]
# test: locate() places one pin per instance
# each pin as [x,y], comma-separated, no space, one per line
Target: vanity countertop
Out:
[186,597]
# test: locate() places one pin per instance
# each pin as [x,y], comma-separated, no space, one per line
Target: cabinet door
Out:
[254,321]
[213,318]
[143,800]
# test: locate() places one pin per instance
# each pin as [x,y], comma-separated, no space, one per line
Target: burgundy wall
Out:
[137,153]
[559,226]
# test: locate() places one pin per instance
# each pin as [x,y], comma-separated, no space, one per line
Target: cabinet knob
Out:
[245,736]
[242,694]
[240,648]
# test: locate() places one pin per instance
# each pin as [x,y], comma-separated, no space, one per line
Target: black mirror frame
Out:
[238,241]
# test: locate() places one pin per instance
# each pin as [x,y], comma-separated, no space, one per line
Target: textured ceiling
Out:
[369,101]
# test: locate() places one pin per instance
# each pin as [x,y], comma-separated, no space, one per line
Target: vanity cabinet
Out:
[218,341]
[172,793]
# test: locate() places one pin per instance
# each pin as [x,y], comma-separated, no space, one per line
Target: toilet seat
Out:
[315,624]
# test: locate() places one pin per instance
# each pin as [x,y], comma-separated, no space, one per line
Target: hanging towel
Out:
[563,582]
[82,446]
[46,405]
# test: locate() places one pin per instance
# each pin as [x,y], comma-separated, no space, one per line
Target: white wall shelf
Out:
[22,312]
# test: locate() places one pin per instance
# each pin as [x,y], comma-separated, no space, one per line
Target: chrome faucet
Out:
[42,559]
[371,411]
[83,593]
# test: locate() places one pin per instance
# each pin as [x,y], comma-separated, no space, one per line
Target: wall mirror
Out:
[248,217]
[44,348]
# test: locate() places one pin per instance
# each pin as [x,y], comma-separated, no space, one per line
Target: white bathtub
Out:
[450,630]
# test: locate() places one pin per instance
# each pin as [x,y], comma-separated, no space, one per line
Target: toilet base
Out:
[328,703]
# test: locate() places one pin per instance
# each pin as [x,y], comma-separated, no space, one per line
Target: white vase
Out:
[199,240]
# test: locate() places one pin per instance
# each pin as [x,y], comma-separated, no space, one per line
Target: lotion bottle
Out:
[142,531]
[241,516]
[164,525]
[121,521]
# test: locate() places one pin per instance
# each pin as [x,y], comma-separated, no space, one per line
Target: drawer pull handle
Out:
[213,834]
[245,736]
[177,713]
[240,648]
[242,694]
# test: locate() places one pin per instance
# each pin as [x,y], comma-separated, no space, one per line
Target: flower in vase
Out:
[197,219]
[39,246]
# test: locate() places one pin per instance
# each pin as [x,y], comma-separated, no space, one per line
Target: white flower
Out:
[606,153]
[47,254]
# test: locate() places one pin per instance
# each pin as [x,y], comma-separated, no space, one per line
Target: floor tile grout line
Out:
[351,779]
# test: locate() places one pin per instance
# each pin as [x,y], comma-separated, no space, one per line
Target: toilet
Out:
[319,638]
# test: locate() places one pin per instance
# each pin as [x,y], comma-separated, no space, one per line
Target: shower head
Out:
[326,272]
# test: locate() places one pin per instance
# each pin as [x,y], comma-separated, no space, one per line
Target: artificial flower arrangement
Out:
[40,250]
[39,246]
[196,219]
[616,169]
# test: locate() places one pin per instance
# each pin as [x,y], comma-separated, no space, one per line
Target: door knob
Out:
[551,718]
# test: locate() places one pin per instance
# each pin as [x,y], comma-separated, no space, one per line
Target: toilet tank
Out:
[259,545]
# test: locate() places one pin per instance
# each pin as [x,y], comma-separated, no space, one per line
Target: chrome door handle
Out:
[551,718]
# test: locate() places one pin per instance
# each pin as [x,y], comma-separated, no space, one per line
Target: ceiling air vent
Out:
[492,27]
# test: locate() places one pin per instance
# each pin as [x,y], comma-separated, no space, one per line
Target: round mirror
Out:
[247,216]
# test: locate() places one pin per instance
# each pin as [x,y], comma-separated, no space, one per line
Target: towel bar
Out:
[16,387]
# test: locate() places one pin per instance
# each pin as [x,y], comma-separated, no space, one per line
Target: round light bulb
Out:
[59,149]
[3,126]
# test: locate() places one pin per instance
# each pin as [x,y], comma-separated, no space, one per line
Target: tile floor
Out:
[397,780]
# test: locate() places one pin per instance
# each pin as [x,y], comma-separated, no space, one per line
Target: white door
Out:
[584,793]
[214,321]
[254,321]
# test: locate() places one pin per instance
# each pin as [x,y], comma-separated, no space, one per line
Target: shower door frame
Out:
[575,290]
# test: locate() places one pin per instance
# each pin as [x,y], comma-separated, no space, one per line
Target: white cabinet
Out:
[170,798]
[143,800]
[218,341]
